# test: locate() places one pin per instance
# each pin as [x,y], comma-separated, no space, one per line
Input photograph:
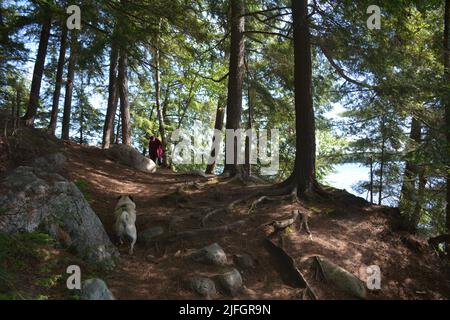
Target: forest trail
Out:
[345,230]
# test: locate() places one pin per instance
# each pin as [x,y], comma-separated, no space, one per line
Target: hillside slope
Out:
[345,230]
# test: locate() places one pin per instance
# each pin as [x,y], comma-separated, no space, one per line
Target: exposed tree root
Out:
[202,232]
[272,198]
[319,273]
[293,274]
[304,222]
[211,212]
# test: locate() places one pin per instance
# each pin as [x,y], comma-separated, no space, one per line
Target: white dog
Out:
[125,213]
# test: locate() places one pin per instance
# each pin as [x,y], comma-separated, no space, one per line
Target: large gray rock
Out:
[31,199]
[203,286]
[95,289]
[148,236]
[343,279]
[231,282]
[130,157]
[212,254]
[50,163]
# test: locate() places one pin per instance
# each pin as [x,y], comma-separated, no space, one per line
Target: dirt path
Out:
[350,235]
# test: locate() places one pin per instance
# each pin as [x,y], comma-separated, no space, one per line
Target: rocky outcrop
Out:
[50,163]
[32,199]
[130,157]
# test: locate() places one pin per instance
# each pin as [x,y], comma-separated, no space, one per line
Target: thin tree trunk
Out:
[38,73]
[116,104]
[123,92]
[447,101]
[371,179]
[81,121]
[305,162]
[220,116]
[18,101]
[69,87]
[59,79]
[157,76]
[248,146]
[235,82]
[380,190]
[417,212]
[13,107]
[382,158]
[108,128]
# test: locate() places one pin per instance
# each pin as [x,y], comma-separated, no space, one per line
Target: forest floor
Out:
[345,230]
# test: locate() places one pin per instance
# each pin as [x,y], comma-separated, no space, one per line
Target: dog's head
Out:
[125,200]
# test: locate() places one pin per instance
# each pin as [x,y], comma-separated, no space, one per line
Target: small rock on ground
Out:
[231,282]
[212,254]
[203,286]
[95,289]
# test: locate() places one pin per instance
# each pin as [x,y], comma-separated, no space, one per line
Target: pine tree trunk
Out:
[248,146]
[380,189]
[304,171]
[235,82]
[38,73]
[59,79]
[220,116]
[160,113]
[13,107]
[69,88]
[417,212]
[408,198]
[447,101]
[81,121]
[123,92]
[371,179]
[18,101]
[117,141]
[116,104]
[108,129]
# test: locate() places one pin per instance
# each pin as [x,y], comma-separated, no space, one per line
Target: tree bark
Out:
[371,179]
[305,161]
[117,138]
[160,113]
[59,79]
[81,121]
[69,87]
[235,81]
[408,198]
[123,92]
[108,129]
[220,116]
[38,73]
[417,212]
[248,146]
[382,158]
[380,189]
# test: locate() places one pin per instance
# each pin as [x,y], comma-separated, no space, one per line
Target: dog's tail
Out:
[125,218]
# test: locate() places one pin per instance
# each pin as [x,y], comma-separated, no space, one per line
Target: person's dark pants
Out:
[156,159]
